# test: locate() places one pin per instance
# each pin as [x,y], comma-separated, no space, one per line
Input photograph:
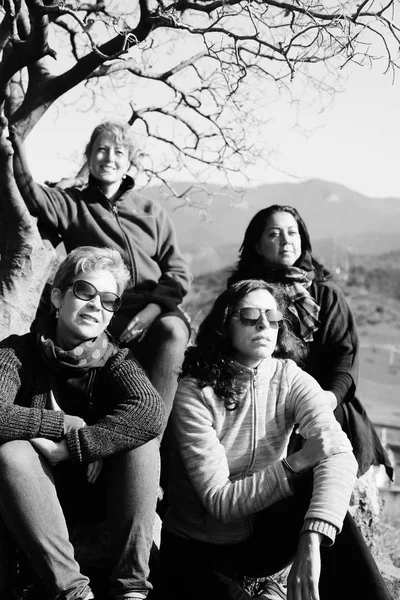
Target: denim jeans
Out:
[37,500]
[161,353]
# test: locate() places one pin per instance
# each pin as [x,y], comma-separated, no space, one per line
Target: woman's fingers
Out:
[133,331]
[305,573]
[94,470]
[143,335]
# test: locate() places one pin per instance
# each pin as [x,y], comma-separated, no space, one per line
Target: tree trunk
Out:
[26,260]
[25,268]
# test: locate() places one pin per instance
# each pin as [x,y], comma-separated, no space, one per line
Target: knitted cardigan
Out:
[228,462]
[125,409]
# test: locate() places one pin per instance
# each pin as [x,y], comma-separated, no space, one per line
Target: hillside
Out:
[210,221]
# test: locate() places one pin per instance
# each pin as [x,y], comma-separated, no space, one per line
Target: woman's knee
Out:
[17,456]
[142,462]
[172,329]
[133,482]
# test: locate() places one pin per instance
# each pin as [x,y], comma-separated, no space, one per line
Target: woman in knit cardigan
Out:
[277,248]
[239,506]
[78,422]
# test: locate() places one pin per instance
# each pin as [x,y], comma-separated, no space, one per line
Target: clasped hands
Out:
[56,452]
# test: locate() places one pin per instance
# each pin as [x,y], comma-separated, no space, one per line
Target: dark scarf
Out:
[297,279]
[72,371]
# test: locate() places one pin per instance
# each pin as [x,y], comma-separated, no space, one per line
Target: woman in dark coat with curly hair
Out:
[277,248]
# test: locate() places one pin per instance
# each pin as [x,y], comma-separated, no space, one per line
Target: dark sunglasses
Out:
[250,316]
[86,291]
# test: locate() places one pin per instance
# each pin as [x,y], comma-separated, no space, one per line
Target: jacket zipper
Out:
[254,385]
[254,381]
[131,255]
[92,376]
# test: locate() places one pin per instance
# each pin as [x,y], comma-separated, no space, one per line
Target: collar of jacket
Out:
[244,373]
[128,183]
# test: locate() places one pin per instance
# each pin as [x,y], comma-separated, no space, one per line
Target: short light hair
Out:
[89,259]
[120,131]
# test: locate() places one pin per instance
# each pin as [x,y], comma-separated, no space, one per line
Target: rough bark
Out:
[26,260]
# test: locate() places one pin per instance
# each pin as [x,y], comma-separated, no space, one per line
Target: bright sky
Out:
[356,142]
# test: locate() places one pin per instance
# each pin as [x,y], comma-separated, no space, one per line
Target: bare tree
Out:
[205,60]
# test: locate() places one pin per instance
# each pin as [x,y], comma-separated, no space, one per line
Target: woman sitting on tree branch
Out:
[108,212]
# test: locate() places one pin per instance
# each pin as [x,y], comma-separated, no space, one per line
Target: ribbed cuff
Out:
[52,425]
[327,529]
[74,447]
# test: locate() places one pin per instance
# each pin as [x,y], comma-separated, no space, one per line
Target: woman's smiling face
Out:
[81,320]
[109,160]
[251,344]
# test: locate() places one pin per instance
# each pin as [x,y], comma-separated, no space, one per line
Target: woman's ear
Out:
[56,297]
[257,249]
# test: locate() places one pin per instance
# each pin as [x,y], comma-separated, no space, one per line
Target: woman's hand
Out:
[317,447]
[331,398]
[94,470]
[138,327]
[304,575]
[71,422]
[54,452]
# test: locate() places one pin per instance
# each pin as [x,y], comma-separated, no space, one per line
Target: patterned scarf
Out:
[72,371]
[87,355]
[302,305]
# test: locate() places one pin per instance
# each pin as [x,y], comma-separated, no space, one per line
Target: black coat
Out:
[333,358]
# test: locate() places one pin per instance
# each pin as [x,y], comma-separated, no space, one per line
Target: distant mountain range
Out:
[210,221]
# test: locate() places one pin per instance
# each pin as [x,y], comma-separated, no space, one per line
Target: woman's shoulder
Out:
[122,368]
[122,357]
[289,375]
[285,370]
[190,390]
[283,365]
[18,350]
[18,342]
[328,289]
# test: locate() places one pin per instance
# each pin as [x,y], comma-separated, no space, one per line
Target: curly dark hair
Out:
[251,264]
[209,361]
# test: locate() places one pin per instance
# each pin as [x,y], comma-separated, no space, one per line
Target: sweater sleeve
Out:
[22,422]
[334,477]
[205,461]
[136,413]
[175,279]
[54,207]
[334,354]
